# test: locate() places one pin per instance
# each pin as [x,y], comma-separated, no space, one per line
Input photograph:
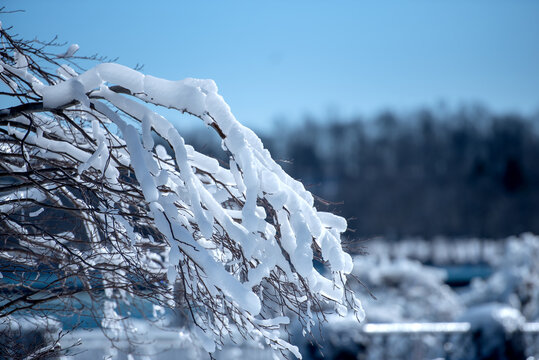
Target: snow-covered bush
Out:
[405,290]
[495,329]
[440,250]
[515,280]
[91,208]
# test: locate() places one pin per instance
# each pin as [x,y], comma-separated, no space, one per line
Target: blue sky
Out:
[285,59]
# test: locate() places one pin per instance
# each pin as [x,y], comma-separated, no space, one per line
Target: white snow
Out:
[63,93]
[211,217]
[36,213]
[71,50]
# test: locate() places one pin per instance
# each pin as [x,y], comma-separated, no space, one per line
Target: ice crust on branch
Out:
[240,240]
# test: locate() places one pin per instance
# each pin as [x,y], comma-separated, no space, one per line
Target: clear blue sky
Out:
[275,59]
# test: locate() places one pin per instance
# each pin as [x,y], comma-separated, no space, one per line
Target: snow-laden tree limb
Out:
[88,197]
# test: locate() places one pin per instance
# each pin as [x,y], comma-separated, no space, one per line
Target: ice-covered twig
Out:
[239,241]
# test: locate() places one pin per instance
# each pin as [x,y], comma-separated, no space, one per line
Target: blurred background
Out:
[417,121]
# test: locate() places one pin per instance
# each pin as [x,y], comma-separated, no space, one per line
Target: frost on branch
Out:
[239,240]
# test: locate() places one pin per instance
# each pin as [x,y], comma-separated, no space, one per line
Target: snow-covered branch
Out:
[87,197]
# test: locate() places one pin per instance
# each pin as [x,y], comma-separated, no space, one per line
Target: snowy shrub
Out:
[405,290]
[515,281]
[495,328]
[90,205]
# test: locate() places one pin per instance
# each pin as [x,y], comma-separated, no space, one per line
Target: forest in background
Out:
[462,173]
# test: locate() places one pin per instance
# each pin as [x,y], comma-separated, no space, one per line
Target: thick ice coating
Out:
[267,216]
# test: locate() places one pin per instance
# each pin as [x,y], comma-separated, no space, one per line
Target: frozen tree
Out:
[96,216]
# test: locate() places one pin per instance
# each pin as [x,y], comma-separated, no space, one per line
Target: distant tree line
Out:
[461,173]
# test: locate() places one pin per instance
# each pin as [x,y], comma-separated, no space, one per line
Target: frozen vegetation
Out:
[482,319]
[231,246]
[492,311]
[106,211]
[405,290]
[516,280]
